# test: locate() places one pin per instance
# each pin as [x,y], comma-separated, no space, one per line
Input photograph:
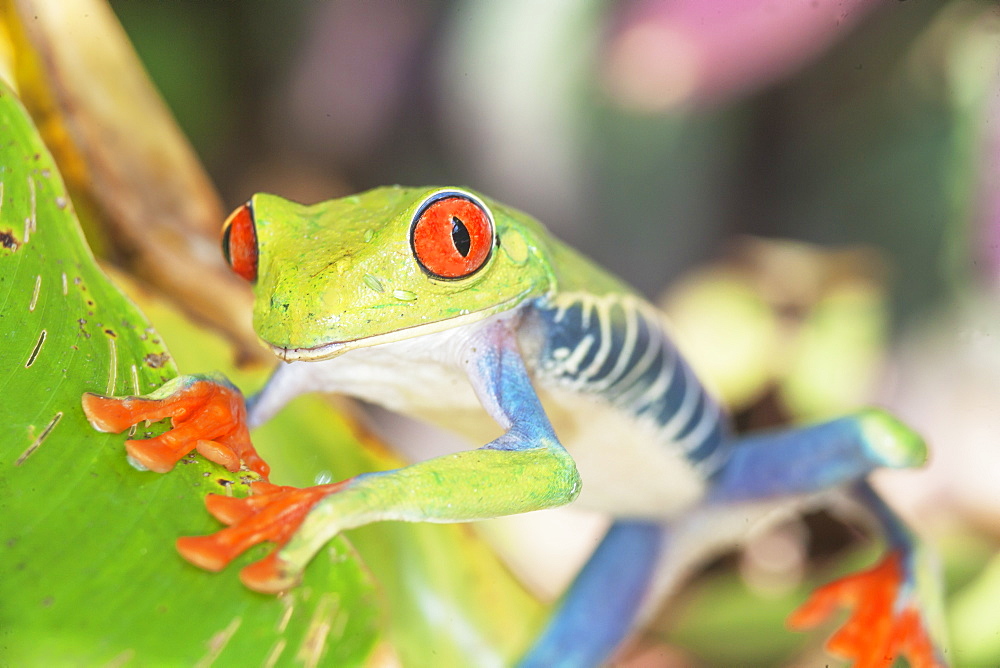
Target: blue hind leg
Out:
[894,606]
[597,611]
[601,606]
[802,461]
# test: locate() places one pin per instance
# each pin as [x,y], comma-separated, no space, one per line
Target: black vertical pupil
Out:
[460,236]
[225,245]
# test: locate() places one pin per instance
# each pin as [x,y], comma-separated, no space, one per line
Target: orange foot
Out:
[273,514]
[878,628]
[207,414]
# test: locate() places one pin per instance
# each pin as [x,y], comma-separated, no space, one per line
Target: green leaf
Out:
[90,574]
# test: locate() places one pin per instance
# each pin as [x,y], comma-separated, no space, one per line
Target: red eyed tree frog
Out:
[450,307]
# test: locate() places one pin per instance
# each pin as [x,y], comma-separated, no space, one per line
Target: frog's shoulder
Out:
[567,270]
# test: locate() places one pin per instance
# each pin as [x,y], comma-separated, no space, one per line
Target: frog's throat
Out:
[332,349]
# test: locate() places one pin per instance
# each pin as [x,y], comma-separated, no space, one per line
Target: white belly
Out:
[626,471]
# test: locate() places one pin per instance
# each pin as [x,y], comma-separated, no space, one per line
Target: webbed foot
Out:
[885,620]
[207,414]
[273,513]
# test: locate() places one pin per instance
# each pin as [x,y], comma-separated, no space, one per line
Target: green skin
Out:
[341,275]
[340,280]
[352,257]
[363,270]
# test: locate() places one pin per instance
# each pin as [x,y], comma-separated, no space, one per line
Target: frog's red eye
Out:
[239,242]
[452,236]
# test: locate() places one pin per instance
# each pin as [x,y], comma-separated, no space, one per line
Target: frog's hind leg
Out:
[601,605]
[894,607]
[638,563]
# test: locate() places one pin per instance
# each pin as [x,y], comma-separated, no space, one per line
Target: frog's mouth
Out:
[333,349]
[315,354]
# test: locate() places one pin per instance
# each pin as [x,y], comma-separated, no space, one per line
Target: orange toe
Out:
[113,415]
[271,514]
[204,552]
[214,451]
[877,629]
[206,414]
[268,576]
[155,455]
[229,509]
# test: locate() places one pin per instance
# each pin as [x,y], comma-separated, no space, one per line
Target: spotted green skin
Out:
[343,270]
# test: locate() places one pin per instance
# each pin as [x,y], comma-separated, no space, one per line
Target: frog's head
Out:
[388,264]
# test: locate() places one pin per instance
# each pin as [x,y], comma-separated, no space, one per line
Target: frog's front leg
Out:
[524,469]
[207,414]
